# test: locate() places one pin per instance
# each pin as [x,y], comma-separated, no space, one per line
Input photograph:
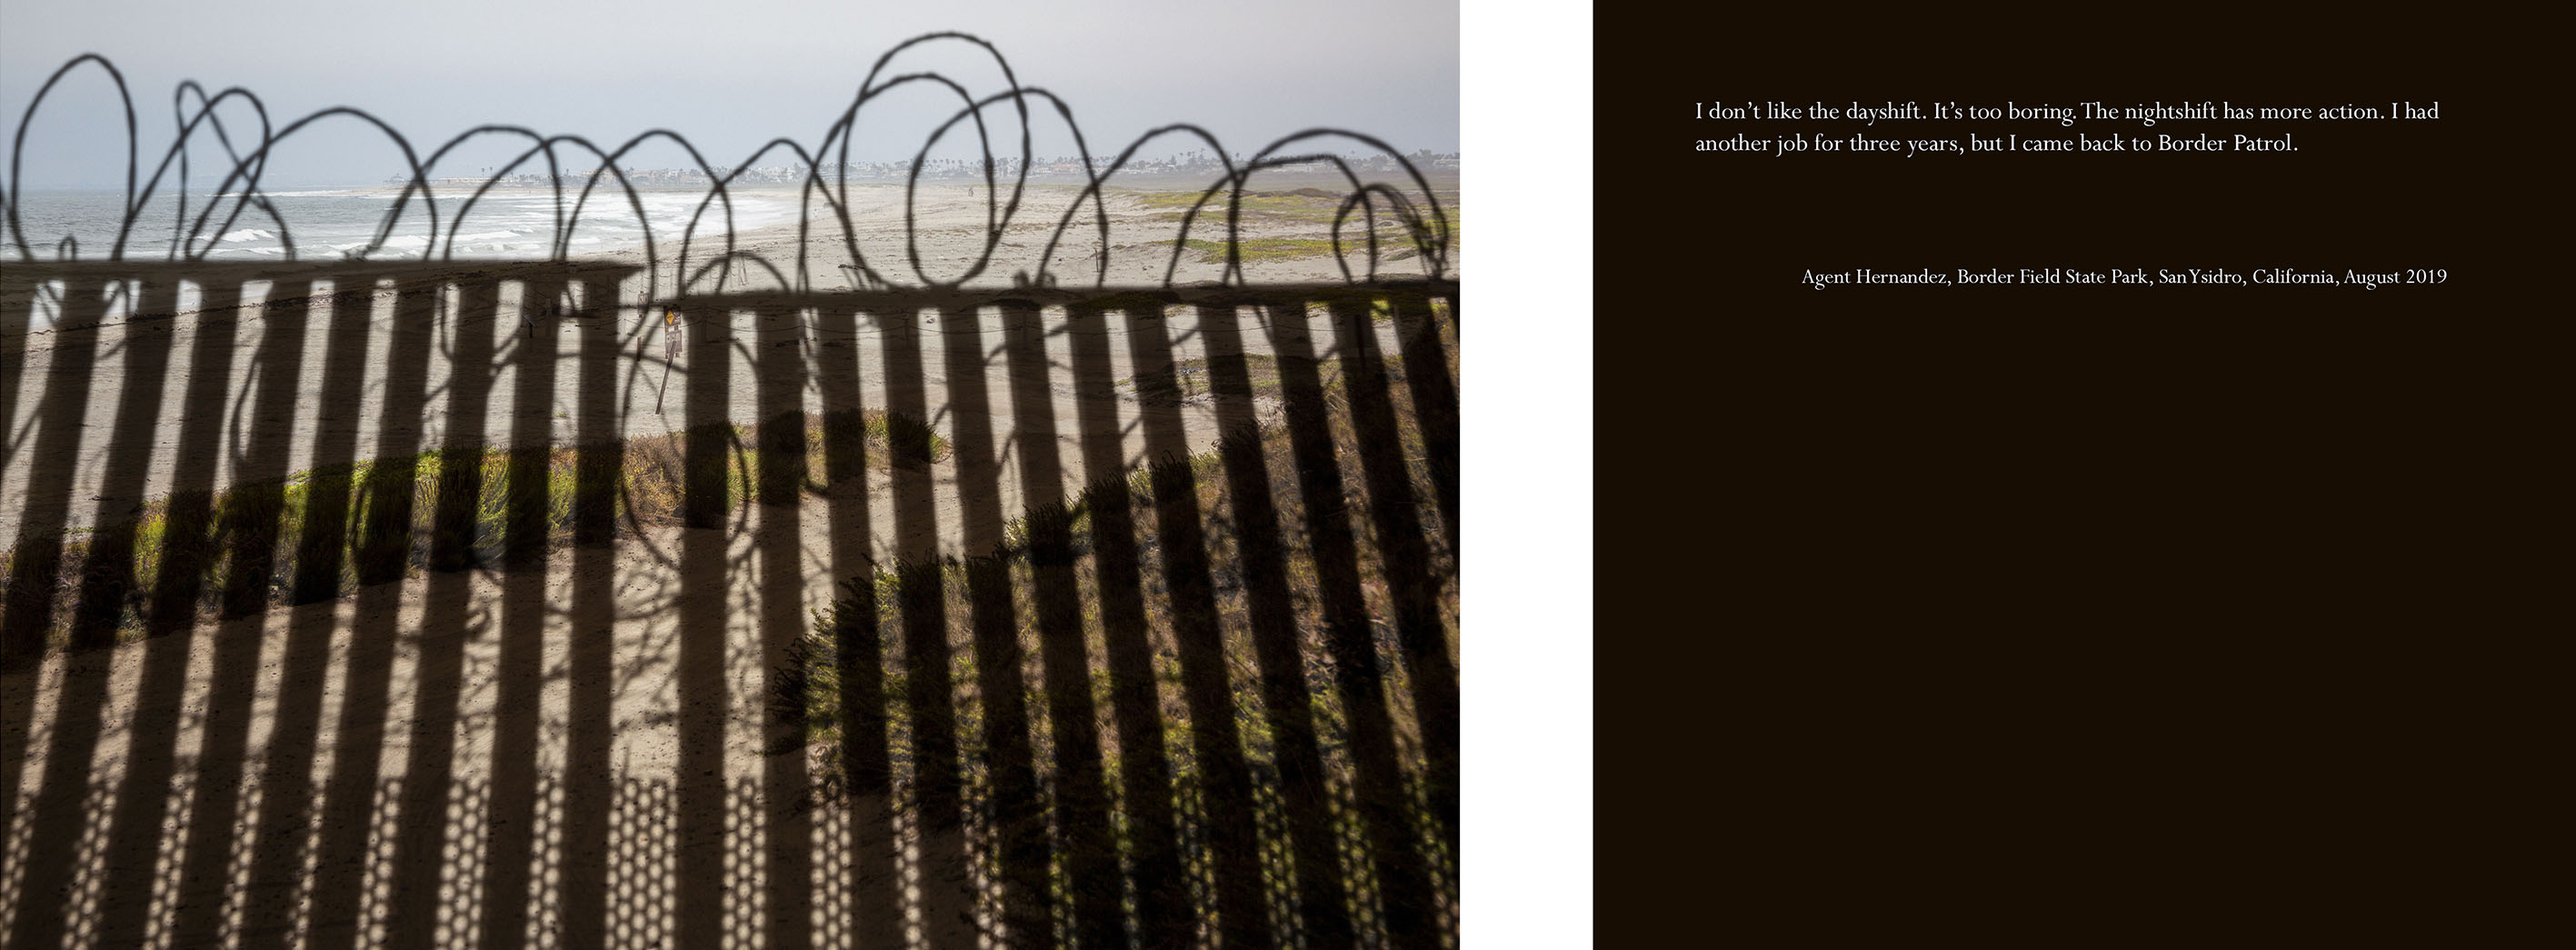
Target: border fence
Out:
[965,616]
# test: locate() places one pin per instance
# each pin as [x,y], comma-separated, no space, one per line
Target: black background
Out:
[2070,615]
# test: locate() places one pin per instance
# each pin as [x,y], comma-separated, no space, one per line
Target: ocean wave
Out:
[332,228]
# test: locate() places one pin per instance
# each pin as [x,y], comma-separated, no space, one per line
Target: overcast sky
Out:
[730,75]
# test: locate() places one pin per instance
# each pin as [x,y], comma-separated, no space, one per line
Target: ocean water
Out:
[328,225]
[332,224]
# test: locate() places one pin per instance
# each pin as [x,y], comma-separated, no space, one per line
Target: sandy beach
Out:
[291,681]
[949,237]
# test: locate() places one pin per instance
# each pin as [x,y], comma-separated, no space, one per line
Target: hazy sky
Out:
[728,75]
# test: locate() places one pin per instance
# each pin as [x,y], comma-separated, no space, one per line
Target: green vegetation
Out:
[1258,249]
[649,492]
[1304,206]
[1190,378]
[1074,518]
[878,606]
[1307,205]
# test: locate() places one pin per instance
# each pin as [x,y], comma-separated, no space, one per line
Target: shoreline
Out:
[949,233]
[947,226]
